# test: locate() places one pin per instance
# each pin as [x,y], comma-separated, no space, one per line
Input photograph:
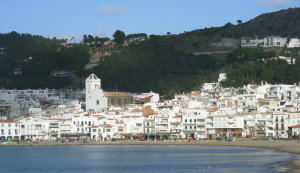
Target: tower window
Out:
[97,102]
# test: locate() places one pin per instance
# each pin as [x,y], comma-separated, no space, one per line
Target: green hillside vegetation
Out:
[285,23]
[252,66]
[164,64]
[37,57]
[154,66]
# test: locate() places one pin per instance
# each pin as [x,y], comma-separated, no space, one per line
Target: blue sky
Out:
[67,18]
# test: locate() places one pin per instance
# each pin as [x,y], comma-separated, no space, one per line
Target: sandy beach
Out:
[291,146]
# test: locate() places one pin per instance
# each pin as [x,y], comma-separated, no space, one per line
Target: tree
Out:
[228,24]
[85,39]
[119,36]
[91,40]
[239,22]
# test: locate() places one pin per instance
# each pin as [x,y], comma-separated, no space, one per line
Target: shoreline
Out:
[290,146]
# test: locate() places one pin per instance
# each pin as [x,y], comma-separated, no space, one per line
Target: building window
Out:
[97,102]
[9,124]
[9,131]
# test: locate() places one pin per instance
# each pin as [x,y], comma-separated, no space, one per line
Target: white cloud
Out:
[112,10]
[274,3]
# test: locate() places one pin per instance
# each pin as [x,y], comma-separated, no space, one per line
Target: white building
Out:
[275,41]
[95,98]
[222,77]
[9,129]
[294,42]
[295,130]
[250,42]
[34,128]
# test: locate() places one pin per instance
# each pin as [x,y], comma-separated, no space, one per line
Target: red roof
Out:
[148,111]
[136,110]
[175,123]
[8,121]
[144,100]
[165,106]
[295,126]
[177,116]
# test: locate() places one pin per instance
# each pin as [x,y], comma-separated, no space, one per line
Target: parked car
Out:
[28,140]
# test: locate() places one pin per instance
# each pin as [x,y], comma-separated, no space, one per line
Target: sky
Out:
[68,18]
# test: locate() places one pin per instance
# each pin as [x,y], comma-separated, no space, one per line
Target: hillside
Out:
[26,61]
[285,23]
[166,64]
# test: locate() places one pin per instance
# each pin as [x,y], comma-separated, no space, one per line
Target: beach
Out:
[291,146]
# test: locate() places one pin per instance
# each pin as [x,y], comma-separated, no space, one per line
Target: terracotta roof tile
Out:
[116,94]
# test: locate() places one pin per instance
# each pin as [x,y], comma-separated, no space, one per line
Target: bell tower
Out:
[91,83]
[94,96]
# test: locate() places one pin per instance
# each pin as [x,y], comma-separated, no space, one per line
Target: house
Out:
[17,71]
[2,51]
[295,130]
[150,97]
[9,129]
[289,60]
[109,44]
[222,77]
[294,42]
[274,41]
[34,128]
[62,74]
[279,125]
[119,99]
[225,125]
[251,42]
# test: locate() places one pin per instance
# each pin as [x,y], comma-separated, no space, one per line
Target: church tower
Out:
[91,83]
[94,96]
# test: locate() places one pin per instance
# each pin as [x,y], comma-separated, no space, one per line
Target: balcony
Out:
[201,129]
[201,125]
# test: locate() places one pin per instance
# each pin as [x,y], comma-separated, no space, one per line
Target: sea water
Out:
[140,158]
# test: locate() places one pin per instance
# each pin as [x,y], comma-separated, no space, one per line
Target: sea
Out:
[140,159]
